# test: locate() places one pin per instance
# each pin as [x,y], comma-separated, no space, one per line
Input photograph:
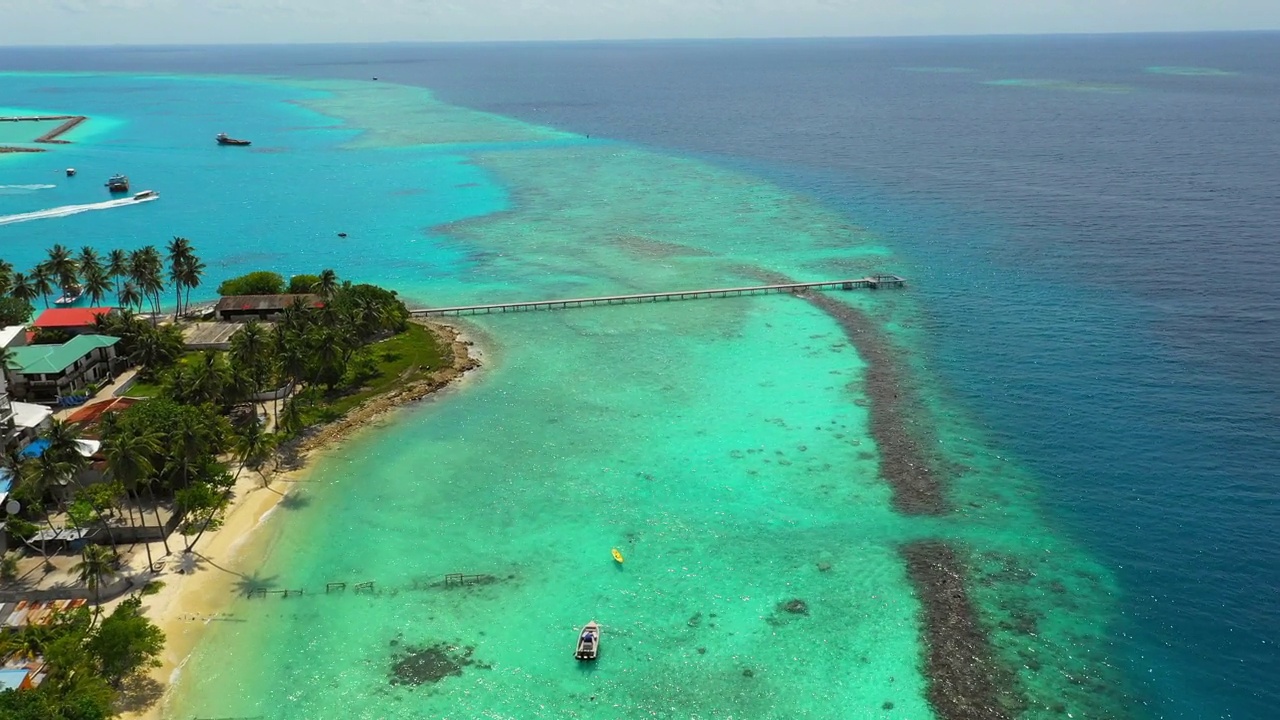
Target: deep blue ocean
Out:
[1091,222]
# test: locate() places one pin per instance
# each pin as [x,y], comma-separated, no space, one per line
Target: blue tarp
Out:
[35,449]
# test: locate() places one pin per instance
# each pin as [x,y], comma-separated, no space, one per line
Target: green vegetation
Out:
[87,662]
[200,427]
[403,358]
[12,310]
[303,283]
[254,283]
[137,276]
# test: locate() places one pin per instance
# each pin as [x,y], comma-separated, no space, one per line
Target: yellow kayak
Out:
[617,554]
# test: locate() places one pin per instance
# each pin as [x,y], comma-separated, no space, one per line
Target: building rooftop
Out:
[257,303]
[70,317]
[11,333]
[29,415]
[91,414]
[36,359]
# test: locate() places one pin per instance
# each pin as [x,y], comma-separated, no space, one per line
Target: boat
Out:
[70,295]
[588,642]
[118,184]
[71,172]
[617,555]
[224,140]
[145,194]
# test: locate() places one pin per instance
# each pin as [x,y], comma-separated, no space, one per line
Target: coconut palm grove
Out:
[163,461]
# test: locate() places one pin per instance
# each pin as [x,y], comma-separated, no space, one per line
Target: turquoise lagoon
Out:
[723,446]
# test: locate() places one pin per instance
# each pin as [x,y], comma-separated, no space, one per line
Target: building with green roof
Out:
[47,373]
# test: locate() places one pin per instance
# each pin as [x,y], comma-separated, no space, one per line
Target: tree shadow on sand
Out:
[139,692]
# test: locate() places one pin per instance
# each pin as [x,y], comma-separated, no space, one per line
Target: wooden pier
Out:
[51,137]
[874,282]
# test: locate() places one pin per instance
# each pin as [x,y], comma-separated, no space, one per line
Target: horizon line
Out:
[586,41]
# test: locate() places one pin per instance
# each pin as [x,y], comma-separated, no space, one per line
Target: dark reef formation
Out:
[430,664]
[905,464]
[965,682]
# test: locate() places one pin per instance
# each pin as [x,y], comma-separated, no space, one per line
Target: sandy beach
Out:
[196,590]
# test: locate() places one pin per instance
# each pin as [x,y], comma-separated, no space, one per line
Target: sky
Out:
[168,22]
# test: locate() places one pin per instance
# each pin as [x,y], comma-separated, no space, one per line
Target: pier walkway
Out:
[873,282]
[51,137]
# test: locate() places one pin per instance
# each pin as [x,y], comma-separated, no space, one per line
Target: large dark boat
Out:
[224,140]
[118,184]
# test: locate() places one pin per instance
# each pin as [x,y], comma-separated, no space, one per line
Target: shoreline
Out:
[187,603]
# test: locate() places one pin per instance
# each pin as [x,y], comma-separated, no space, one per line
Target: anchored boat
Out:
[588,642]
[70,295]
[118,184]
[224,140]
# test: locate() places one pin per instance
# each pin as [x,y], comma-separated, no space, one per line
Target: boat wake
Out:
[67,210]
[22,189]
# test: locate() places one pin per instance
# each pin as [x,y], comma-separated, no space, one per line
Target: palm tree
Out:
[96,563]
[40,476]
[190,273]
[62,267]
[129,454]
[40,281]
[117,266]
[64,449]
[251,445]
[6,277]
[180,254]
[145,268]
[88,258]
[290,418]
[91,265]
[292,351]
[96,283]
[22,288]
[250,348]
[190,441]
[64,444]
[327,285]
[129,296]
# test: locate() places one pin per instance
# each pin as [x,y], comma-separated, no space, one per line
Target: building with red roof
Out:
[73,321]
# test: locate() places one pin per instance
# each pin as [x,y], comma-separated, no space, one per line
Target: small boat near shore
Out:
[224,140]
[146,195]
[617,555]
[69,296]
[118,184]
[588,642]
